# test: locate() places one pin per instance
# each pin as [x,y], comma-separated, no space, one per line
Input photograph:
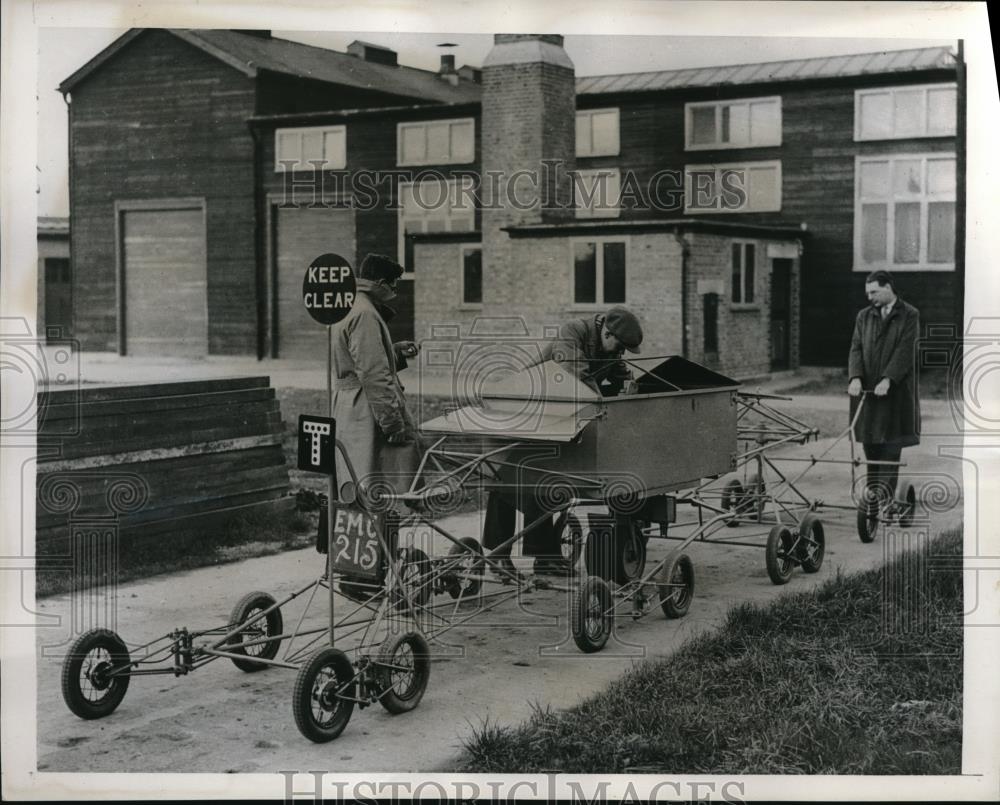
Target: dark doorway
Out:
[58,297]
[781,313]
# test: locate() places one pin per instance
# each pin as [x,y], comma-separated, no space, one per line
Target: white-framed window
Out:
[597,133]
[433,205]
[893,113]
[739,123]
[471,266]
[734,187]
[436,142]
[904,215]
[743,279]
[597,193]
[305,149]
[599,271]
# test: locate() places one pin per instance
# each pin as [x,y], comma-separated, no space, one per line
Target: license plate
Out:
[356,548]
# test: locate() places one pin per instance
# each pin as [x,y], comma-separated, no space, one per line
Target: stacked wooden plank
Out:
[156,459]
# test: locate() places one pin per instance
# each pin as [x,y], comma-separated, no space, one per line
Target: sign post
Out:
[328,293]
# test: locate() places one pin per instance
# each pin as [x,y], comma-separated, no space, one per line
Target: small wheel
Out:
[403,666]
[732,498]
[675,601]
[571,537]
[270,626]
[591,616]
[95,674]
[324,695]
[812,543]
[909,507]
[778,554]
[867,524]
[414,579]
[471,563]
[632,556]
[753,497]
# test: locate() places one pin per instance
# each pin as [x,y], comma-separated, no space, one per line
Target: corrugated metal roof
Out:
[322,64]
[789,70]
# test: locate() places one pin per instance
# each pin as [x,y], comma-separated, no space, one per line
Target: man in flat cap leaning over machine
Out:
[591,349]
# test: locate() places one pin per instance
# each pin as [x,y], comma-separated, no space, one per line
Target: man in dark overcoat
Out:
[883,362]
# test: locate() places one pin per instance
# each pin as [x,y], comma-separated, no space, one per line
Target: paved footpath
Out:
[220,719]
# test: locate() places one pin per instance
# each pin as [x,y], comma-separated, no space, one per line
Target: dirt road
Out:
[220,719]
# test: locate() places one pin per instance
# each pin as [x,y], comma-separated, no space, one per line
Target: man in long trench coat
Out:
[373,422]
[883,362]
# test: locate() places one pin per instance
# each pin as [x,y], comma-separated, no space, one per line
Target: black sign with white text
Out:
[329,289]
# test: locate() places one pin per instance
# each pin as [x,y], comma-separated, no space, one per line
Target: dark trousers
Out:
[500,524]
[880,483]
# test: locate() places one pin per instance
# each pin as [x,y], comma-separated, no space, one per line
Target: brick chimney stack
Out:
[528,117]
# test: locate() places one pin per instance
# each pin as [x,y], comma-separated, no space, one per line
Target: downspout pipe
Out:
[681,239]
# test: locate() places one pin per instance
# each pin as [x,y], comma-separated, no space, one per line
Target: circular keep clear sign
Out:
[329,288]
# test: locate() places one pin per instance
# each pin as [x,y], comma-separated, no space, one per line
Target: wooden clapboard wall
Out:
[155,459]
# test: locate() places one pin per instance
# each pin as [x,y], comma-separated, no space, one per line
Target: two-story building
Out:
[737,209]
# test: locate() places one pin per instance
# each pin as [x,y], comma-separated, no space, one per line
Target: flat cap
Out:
[377,267]
[623,324]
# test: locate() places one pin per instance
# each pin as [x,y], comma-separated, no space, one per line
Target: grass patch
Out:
[844,679]
[261,533]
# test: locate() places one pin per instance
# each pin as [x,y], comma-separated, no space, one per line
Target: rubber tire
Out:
[571,537]
[421,671]
[593,639]
[273,622]
[415,566]
[867,526]
[302,697]
[73,664]
[631,567]
[753,497]
[779,569]
[811,529]
[907,515]
[475,566]
[680,570]
[732,497]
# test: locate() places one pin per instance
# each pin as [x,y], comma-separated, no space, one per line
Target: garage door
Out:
[165,282]
[302,236]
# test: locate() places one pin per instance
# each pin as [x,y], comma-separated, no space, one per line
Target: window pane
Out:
[941,232]
[941,176]
[583,148]
[748,273]
[941,111]
[605,133]
[734,189]
[907,240]
[874,179]
[908,111]
[737,277]
[289,146]
[312,148]
[739,124]
[614,272]
[873,233]
[724,123]
[765,123]
[472,276]
[606,192]
[906,179]
[764,190]
[702,189]
[703,125]
[438,147]
[584,273]
[333,149]
[414,144]
[876,115]
[463,142]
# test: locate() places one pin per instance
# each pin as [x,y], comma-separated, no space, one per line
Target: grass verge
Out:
[860,676]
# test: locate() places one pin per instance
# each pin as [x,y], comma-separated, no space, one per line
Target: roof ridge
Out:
[759,63]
